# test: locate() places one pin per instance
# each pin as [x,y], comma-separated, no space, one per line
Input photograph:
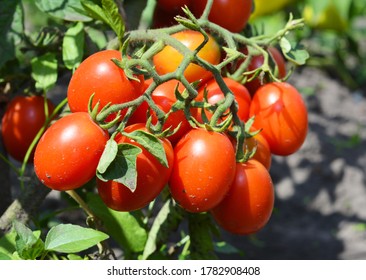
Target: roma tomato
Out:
[152,176]
[230,14]
[169,59]
[23,118]
[204,168]
[214,95]
[68,153]
[263,152]
[281,112]
[98,74]
[172,6]
[249,203]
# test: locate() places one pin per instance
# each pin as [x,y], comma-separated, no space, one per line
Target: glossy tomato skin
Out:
[23,118]
[249,203]
[68,153]
[152,177]
[230,14]
[204,168]
[98,74]
[263,152]
[281,112]
[214,95]
[168,60]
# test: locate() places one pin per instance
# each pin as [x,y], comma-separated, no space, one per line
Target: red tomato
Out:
[204,168]
[23,118]
[214,95]
[281,112]
[98,74]
[169,59]
[68,153]
[263,152]
[230,14]
[249,203]
[152,176]
[257,61]
[172,6]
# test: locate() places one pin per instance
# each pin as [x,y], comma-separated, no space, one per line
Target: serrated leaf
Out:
[109,154]
[94,10]
[114,17]
[70,10]
[73,46]
[44,71]
[151,143]
[124,227]
[27,243]
[166,221]
[68,238]
[123,168]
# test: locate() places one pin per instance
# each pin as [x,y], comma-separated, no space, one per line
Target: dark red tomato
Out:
[214,95]
[257,61]
[169,58]
[163,18]
[152,176]
[68,153]
[249,203]
[22,120]
[98,74]
[204,168]
[172,6]
[281,112]
[230,14]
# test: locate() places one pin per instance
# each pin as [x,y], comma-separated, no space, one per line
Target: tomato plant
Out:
[168,60]
[152,177]
[74,145]
[22,120]
[100,76]
[230,14]
[202,172]
[249,203]
[281,112]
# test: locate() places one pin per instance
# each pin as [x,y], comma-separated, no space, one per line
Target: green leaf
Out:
[5,257]
[97,37]
[109,154]
[27,243]
[94,10]
[294,52]
[70,10]
[11,29]
[124,227]
[73,46]
[166,221]
[8,243]
[114,17]
[123,168]
[44,71]
[226,248]
[151,143]
[68,238]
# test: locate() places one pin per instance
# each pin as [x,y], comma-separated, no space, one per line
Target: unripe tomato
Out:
[68,153]
[265,7]
[249,203]
[168,60]
[281,112]
[152,176]
[204,168]
[230,14]
[22,120]
[100,76]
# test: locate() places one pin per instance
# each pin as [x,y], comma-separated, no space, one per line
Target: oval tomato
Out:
[68,153]
[152,176]
[214,95]
[100,76]
[22,120]
[204,168]
[230,14]
[249,203]
[281,112]
[263,152]
[168,60]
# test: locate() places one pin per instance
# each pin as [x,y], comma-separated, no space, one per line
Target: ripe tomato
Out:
[152,176]
[263,152]
[230,14]
[98,74]
[214,95]
[172,6]
[204,168]
[169,59]
[249,203]
[68,153]
[280,110]
[23,118]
